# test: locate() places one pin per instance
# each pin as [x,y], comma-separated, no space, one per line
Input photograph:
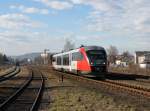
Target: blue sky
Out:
[32,25]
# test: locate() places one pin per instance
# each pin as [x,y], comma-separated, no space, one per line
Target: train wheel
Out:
[78,72]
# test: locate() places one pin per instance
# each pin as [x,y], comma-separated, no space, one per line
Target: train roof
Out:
[93,48]
[85,47]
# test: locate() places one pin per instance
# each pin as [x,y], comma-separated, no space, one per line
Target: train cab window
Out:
[66,59]
[77,56]
[58,60]
[96,56]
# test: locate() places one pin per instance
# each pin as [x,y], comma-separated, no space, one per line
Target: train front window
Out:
[96,57]
[77,56]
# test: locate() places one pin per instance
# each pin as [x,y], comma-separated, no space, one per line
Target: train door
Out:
[73,62]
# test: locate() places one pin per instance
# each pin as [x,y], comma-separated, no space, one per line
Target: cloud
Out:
[19,36]
[55,4]
[120,20]
[30,10]
[20,42]
[125,24]
[109,15]
[101,5]
[119,16]
[17,21]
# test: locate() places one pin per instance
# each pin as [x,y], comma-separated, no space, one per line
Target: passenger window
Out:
[58,60]
[66,59]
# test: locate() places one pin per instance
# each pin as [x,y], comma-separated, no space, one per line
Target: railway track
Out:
[9,74]
[110,84]
[132,88]
[133,83]
[143,81]
[21,99]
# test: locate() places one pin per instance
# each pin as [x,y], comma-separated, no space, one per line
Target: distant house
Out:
[121,63]
[142,58]
[124,61]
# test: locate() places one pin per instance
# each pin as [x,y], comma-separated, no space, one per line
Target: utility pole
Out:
[44,55]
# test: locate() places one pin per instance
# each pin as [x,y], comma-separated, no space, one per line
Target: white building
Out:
[143,59]
[121,63]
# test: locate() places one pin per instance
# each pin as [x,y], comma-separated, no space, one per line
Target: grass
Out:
[82,99]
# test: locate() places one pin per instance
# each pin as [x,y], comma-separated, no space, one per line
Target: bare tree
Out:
[127,57]
[68,45]
[112,53]
[1,58]
[5,58]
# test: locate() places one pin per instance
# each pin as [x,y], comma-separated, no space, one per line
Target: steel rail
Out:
[128,85]
[21,90]
[130,88]
[10,74]
[15,94]
[37,99]
[143,81]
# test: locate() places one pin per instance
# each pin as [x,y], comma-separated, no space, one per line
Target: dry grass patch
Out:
[133,69]
[81,99]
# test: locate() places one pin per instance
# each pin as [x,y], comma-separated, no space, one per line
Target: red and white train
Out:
[86,60]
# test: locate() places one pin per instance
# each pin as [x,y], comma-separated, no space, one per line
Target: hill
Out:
[28,55]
